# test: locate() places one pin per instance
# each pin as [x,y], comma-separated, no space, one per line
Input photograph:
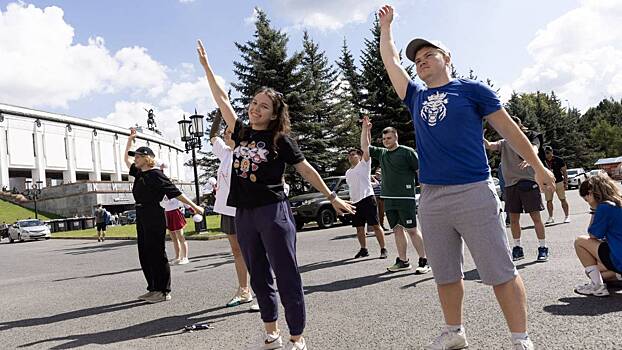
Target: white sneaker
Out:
[158,297]
[254,308]
[523,344]
[183,261]
[597,290]
[271,341]
[550,220]
[145,296]
[566,220]
[299,345]
[174,261]
[449,341]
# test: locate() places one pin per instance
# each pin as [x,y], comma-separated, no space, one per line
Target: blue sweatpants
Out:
[267,237]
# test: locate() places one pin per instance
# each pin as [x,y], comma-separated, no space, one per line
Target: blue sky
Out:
[107,59]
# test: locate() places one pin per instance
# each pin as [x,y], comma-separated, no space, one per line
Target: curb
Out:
[189,238]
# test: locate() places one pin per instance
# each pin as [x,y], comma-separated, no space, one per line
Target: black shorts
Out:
[366,212]
[604,255]
[227,224]
[524,197]
[101,226]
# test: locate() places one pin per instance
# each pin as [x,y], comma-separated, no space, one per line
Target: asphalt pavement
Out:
[66,294]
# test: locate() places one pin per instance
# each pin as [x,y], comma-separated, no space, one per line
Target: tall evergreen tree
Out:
[379,99]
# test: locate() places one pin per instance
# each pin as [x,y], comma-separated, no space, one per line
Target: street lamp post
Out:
[191,132]
[32,192]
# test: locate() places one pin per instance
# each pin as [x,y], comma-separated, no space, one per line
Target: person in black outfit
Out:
[150,186]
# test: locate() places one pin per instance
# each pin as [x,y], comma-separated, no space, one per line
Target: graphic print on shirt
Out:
[247,157]
[434,109]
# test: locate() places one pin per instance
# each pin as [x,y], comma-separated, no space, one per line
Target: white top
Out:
[224,154]
[170,204]
[358,179]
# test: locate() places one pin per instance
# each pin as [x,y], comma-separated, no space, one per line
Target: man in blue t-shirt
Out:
[459,201]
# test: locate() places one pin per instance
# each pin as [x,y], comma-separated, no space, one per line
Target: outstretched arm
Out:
[218,91]
[365,141]
[130,138]
[311,175]
[388,52]
[184,199]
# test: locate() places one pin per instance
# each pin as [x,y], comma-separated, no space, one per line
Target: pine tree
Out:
[379,99]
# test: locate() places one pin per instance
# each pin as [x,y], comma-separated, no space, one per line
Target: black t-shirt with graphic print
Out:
[556,164]
[257,169]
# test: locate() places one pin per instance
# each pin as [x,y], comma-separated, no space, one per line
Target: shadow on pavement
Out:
[586,306]
[330,263]
[71,315]
[149,329]
[97,247]
[211,265]
[414,284]
[354,282]
[97,275]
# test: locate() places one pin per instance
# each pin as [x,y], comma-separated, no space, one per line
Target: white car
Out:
[575,177]
[596,172]
[29,229]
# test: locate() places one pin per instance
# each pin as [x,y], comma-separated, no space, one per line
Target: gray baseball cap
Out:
[416,44]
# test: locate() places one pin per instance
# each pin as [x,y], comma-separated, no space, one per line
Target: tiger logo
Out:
[434,110]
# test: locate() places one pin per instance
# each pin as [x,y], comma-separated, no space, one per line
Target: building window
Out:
[34,145]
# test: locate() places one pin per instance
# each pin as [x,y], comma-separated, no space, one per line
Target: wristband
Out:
[332,196]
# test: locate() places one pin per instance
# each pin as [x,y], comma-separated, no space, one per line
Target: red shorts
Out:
[175,220]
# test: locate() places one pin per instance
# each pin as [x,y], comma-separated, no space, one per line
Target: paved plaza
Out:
[64,294]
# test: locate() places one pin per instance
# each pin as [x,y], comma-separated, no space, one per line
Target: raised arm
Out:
[388,52]
[504,125]
[213,132]
[311,175]
[130,138]
[365,141]
[218,92]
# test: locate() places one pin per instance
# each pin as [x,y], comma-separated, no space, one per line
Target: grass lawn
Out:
[129,231]
[10,213]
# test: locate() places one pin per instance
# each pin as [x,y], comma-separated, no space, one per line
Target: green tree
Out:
[607,139]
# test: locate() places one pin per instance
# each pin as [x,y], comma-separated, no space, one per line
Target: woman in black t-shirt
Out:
[264,222]
[150,186]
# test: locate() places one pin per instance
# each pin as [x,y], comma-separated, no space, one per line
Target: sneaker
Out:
[158,297]
[362,253]
[523,344]
[399,266]
[543,254]
[145,296]
[242,297]
[517,253]
[550,220]
[449,340]
[423,267]
[174,261]
[183,261]
[384,228]
[383,253]
[592,289]
[254,308]
[299,345]
[566,220]
[271,341]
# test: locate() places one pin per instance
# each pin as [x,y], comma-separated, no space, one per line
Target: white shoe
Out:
[254,308]
[566,220]
[174,261]
[145,296]
[271,341]
[597,290]
[183,261]
[449,341]
[550,220]
[523,344]
[299,345]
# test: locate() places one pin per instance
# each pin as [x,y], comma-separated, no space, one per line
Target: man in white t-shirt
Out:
[362,195]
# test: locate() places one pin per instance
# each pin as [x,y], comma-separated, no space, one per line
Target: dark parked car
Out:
[127,217]
[314,206]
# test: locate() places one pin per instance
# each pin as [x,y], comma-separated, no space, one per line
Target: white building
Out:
[60,150]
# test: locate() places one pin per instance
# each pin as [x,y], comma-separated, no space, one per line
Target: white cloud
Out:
[578,55]
[197,92]
[186,1]
[327,14]
[252,18]
[44,67]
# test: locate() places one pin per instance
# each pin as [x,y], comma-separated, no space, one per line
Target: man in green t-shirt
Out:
[399,166]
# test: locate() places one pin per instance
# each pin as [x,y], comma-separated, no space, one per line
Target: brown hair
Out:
[602,188]
[151,162]
[389,129]
[280,126]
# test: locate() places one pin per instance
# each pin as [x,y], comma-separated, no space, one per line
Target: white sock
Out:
[517,242]
[594,274]
[619,277]
[454,329]
[519,336]
[542,242]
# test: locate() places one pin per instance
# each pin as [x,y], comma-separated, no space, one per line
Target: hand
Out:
[366,123]
[545,179]
[199,210]
[386,15]
[342,207]
[132,133]
[202,54]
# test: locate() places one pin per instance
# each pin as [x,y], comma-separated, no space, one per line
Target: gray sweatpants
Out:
[471,213]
